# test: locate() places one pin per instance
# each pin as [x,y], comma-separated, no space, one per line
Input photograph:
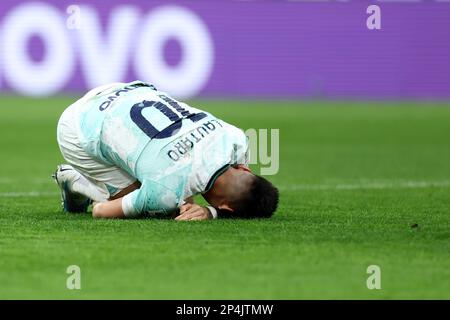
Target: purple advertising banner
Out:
[239,49]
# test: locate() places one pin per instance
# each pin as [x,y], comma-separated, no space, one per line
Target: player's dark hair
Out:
[260,201]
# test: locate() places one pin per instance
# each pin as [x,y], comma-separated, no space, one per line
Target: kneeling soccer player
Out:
[134,151]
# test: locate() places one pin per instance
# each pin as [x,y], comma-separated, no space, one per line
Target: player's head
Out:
[242,194]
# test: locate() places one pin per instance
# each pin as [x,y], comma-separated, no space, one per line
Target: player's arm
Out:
[150,197]
[113,209]
[108,209]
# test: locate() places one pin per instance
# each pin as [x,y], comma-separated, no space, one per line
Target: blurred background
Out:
[229,49]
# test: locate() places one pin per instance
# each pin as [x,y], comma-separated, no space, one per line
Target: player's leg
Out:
[85,178]
[77,192]
[135,185]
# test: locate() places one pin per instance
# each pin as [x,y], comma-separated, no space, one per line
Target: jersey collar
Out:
[215,176]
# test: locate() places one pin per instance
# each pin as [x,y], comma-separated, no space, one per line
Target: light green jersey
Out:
[174,150]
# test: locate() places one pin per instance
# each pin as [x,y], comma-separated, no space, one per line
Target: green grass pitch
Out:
[354,177]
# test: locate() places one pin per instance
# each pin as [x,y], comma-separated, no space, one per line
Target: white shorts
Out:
[107,179]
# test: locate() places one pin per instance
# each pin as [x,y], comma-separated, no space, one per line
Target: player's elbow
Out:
[98,211]
[109,209]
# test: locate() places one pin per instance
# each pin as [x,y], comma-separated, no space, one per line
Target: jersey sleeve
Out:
[241,152]
[151,198]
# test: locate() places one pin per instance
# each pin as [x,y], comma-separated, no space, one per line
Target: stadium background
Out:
[282,49]
[364,152]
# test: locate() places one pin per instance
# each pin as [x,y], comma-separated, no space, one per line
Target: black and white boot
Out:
[73,202]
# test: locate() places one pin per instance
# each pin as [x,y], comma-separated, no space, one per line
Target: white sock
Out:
[80,184]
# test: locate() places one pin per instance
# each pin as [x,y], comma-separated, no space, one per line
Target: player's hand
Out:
[191,212]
